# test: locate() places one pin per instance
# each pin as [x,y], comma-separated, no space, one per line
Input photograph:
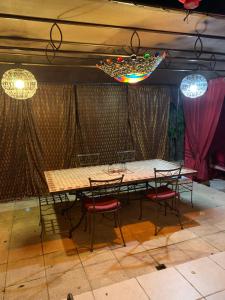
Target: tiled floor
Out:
[50,267]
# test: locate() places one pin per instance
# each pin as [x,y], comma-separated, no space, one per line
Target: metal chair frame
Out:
[185,184]
[161,178]
[87,160]
[83,160]
[103,189]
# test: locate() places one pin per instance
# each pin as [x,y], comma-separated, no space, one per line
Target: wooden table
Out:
[77,179]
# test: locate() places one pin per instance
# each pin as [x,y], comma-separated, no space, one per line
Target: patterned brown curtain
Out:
[12,147]
[103,119]
[148,108]
[60,121]
[36,135]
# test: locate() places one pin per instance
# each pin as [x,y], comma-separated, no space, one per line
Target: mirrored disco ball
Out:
[194,85]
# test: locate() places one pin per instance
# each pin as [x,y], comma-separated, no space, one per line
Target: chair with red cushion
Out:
[162,194]
[103,199]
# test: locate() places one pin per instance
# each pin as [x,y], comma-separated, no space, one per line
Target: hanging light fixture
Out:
[190,4]
[19,84]
[132,69]
[194,85]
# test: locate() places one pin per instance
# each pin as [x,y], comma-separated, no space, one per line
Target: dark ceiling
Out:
[206,6]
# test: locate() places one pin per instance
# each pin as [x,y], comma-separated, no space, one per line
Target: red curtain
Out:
[217,150]
[201,119]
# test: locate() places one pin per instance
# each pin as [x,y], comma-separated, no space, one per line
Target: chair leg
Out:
[119,224]
[140,216]
[178,212]
[92,230]
[115,220]
[89,220]
[191,198]
[85,223]
[157,219]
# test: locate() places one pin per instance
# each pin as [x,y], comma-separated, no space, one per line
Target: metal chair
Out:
[84,160]
[125,156]
[122,158]
[163,195]
[103,200]
[185,184]
[87,160]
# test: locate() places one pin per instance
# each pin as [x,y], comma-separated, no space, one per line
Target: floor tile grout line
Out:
[46,281]
[7,261]
[215,293]
[181,251]
[216,261]
[142,288]
[86,275]
[175,267]
[24,282]
[192,240]
[215,245]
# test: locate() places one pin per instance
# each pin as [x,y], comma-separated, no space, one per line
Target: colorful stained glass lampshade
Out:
[19,84]
[194,85]
[131,69]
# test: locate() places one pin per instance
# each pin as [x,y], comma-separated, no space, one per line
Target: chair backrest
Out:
[163,177]
[86,160]
[102,188]
[125,156]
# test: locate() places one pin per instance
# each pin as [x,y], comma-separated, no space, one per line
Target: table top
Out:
[74,179]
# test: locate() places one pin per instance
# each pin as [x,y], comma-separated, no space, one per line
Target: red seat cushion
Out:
[101,205]
[163,193]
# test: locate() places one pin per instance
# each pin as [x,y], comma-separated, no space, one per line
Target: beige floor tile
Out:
[57,242]
[217,296]
[25,236]
[5,231]
[97,256]
[7,206]
[204,229]
[2,276]
[132,247]
[169,255]
[30,214]
[197,248]
[137,264]
[219,258]
[17,252]
[180,236]
[73,281]
[217,240]
[173,286]
[6,217]
[61,262]
[220,224]
[4,252]
[85,296]
[34,289]
[126,290]
[5,234]
[25,270]
[205,275]
[26,202]
[155,242]
[105,273]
